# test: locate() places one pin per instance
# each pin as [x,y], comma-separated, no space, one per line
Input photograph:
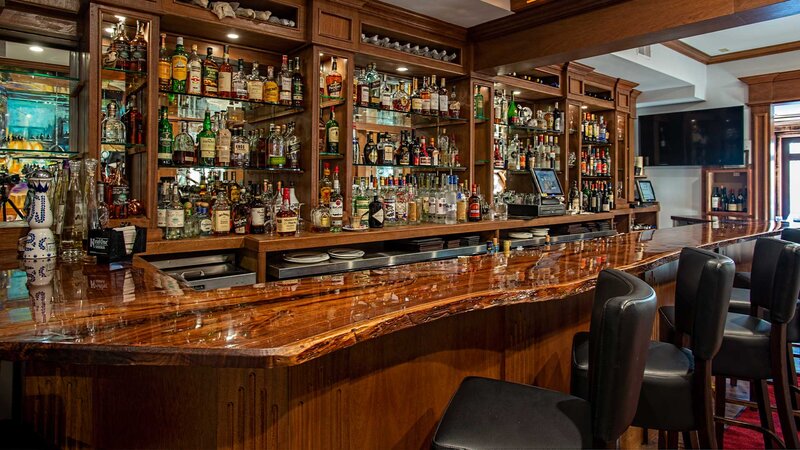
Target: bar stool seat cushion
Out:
[494,414]
[667,383]
[741,280]
[740,300]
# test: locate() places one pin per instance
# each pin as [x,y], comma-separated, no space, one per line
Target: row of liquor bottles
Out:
[125,53]
[512,113]
[182,72]
[728,199]
[594,129]
[595,162]
[372,90]
[593,197]
[543,153]
[381,149]
[127,129]
[218,146]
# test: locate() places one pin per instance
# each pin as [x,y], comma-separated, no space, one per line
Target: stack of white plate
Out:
[306,257]
[539,232]
[345,253]
[520,235]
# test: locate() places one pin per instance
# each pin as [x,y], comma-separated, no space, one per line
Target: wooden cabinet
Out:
[738,187]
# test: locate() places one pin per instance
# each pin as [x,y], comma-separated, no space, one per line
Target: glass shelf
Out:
[600,177]
[36,74]
[395,166]
[123,144]
[535,130]
[326,101]
[38,153]
[387,117]
[324,155]
[586,143]
[124,71]
[246,169]
[250,103]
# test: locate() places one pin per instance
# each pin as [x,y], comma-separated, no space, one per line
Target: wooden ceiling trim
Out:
[756,52]
[687,50]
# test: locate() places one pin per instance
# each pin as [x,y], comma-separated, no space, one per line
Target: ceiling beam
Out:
[687,50]
[620,26]
[756,52]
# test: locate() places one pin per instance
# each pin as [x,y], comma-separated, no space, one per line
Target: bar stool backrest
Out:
[775,278]
[791,235]
[702,296]
[622,320]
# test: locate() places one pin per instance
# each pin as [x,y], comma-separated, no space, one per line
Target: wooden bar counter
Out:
[364,360]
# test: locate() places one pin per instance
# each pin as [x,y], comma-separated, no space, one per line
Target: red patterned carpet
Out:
[742,438]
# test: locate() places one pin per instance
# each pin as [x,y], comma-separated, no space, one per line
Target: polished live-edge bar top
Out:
[88,314]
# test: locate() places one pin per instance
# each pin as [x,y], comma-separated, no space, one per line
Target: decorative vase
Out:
[40,242]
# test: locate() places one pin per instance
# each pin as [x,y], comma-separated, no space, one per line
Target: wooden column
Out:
[762,136]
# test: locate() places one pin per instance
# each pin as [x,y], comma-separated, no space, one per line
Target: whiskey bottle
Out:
[370,151]
[210,75]
[454,104]
[164,140]
[138,49]
[298,85]
[122,47]
[325,184]
[285,95]
[271,88]
[333,81]
[286,219]
[362,89]
[277,149]
[112,130]
[255,85]
[225,78]
[293,146]
[332,134]
[434,96]
[239,82]
[321,218]
[161,210]
[425,96]
[336,204]
[206,141]
[134,123]
[179,62]
[224,139]
[221,223]
[241,214]
[374,81]
[444,101]
[195,73]
[258,212]
[416,99]
[241,149]
[386,95]
[164,65]
[400,99]
[183,152]
[175,216]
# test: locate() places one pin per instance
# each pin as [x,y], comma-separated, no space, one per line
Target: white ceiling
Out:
[465,13]
[747,37]
[23,52]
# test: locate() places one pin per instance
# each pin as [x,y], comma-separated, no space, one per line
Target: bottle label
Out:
[175,218]
[333,134]
[443,106]
[401,210]
[241,148]
[240,225]
[286,224]
[195,79]
[430,206]
[362,213]
[475,211]
[119,195]
[179,63]
[164,71]
[386,101]
[162,217]
[434,102]
[441,207]
[271,92]
[286,84]
[364,98]
[255,90]
[413,212]
[210,79]
[258,216]
[297,92]
[337,208]
[461,211]
[225,81]
[416,104]
[426,104]
[335,89]
[205,225]
[714,202]
[223,155]
[390,207]
[378,215]
[222,220]
[207,147]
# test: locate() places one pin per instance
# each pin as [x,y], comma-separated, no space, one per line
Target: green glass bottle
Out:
[512,111]
[180,63]
[332,134]
[164,139]
[206,141]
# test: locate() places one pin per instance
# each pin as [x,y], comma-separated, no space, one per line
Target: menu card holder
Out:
[108,245]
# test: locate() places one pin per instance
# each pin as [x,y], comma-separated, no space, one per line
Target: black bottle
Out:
[376,213]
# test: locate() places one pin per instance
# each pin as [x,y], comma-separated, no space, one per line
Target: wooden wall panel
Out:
[335,25]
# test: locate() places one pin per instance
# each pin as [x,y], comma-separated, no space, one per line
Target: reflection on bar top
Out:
[138,315]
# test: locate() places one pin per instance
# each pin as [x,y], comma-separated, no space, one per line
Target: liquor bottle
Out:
[293,146]
[164,139]
[241,214]
[298,85]
[271,88]
[357,158]
[179,61]
[433,91]
[239,82]
[195,73]
[444,100]
[474,207]
[286,219]
[477,101]
[221,222]
[405,150]
[122,47]
[255,85]
[321,218]
[374,81]
[332,134]
[390,204]
[223,138]
[361,89]
[111,128]
[161,210]
[454,104]
[558,120]
[435,153]
[241,149]
[376,213]
[574,197]
[742,199]
[336,204]
[400,99]
[325,184]
[610,196]
[513,115]
[361,209]
[134,122]
[175,216]
[285,83]
[276,146]
[715,199]
[386,95]
[333,81]
[605,205]
[416,99]
[258,212]
[451,202]
[206,142]
[387,149]
[225,78]
[370,151]
[210,75]
[138,49]
[425,96]
[183,153]
[164,65]
[441,200]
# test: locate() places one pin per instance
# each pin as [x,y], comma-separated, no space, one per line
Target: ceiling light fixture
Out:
[517,92]
[233,36]
[120,18]
[402,69]
[110,30]
[36,49]
[584,107]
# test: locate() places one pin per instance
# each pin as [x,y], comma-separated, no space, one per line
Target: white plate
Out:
[306,257]
[345,253]
[350,228]
[520,235]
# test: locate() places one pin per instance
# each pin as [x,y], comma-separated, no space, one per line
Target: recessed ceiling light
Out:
[402,69]
[110,30]
[36,48]
[233,36]
[724,50]
[517,92]
[121,18]
[584,107]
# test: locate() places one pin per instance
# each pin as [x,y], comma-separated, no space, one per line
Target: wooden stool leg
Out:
[791,375]
[662,440]
[764,411]
[719,409]
[672,439]
[781,385]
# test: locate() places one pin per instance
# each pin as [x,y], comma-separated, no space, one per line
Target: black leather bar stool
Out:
[742,279]
[494,414]
[676,387]
[755,348]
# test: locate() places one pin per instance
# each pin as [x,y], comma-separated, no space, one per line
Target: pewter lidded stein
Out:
[40,242]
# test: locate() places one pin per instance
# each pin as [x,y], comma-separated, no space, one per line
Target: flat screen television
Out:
[709,137]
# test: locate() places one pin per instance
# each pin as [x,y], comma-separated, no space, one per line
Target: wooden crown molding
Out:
[703,57]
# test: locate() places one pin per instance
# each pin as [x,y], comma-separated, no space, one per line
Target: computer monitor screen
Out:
[547,182]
